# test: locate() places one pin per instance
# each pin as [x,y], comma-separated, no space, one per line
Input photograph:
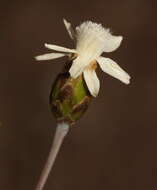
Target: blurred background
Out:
[113,147]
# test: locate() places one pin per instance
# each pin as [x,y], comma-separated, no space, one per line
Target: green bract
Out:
[69,98]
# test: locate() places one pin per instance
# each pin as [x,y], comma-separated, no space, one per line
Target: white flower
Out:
[91,41]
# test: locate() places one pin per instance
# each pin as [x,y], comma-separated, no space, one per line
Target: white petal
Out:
[78,66]
[92,81]
[112,42]
[112,68]
[69,28]
[49,56]
[59,48]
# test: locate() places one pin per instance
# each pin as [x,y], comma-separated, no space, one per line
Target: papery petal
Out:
[112,42]
[76,69]
[69,28]
[78,66]
[49,56]
[92,81]
[112,68]
[60,48]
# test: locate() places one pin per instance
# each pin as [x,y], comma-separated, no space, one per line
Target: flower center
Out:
[92,65]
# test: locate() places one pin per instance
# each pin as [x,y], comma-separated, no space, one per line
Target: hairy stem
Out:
[61,131]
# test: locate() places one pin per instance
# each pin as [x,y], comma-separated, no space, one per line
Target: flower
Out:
[92,40]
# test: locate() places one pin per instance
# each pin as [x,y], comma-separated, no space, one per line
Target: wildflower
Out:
[92,40]
[75,86]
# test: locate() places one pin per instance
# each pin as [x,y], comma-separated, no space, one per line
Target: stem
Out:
[61,131]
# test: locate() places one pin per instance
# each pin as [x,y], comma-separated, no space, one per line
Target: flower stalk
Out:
[61,131]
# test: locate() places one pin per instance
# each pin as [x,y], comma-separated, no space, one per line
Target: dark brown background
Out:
[114,146]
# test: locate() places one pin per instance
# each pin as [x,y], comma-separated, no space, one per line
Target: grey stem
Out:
[61,131]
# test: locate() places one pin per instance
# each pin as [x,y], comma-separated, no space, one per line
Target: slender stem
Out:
[61,131]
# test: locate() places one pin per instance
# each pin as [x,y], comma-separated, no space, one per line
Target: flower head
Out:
[92,40]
